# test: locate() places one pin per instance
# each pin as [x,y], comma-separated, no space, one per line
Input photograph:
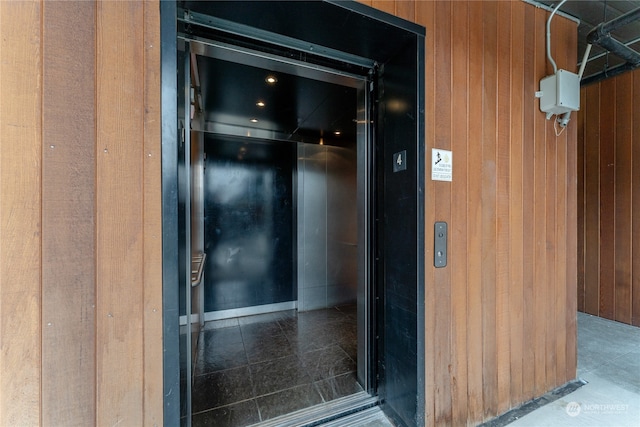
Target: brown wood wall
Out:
[80,218]
[80,225]
[501,317]
[609,199]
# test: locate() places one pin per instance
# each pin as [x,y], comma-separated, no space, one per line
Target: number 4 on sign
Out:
[399,160]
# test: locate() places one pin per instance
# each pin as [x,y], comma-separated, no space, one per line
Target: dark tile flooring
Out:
[255,368]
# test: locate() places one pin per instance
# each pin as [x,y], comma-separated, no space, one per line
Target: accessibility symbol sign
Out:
[441,165]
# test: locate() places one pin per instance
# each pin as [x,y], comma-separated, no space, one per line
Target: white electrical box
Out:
[560,93]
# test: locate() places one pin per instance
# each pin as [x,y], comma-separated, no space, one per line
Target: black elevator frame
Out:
[397,46]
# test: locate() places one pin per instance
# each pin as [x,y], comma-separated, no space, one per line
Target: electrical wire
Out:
[555,127]
[549,57]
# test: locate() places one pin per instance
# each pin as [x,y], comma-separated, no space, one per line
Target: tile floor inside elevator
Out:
[255,368]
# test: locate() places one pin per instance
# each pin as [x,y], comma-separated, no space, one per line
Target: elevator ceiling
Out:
[295,108]
[330,34]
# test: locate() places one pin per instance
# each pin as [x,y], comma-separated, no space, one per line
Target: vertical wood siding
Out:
[68,214]
[609,199]
[500,319]
[20,212]
[119,249]
[80,219]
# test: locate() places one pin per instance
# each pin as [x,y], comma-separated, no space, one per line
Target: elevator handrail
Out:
[197,267]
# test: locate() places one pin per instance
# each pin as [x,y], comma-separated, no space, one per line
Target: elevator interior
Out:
[287,198]
[276,160]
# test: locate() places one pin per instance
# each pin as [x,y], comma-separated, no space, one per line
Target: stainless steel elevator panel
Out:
[327,226]
[342,226]
[312,227]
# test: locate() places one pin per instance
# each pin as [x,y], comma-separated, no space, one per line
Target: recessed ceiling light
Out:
[253,120]
[271,80]
[260,104]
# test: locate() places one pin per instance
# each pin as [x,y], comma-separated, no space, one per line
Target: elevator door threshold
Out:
[372,417]
[323,413]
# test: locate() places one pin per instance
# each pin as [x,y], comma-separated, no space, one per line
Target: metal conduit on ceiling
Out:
[614,26]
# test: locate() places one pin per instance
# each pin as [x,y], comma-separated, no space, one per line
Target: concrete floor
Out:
[609,361]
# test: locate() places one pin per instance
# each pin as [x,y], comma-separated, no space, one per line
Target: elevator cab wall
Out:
[248,221]
[280,224]
[328,225]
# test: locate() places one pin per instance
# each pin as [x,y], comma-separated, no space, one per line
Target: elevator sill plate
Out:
[362,418]
[324,412]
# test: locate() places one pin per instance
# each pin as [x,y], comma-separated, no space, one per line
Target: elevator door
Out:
[284,183]
[339,30]
[248,223]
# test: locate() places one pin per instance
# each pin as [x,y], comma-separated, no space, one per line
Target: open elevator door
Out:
[331,29]
[248,201]
[188,226]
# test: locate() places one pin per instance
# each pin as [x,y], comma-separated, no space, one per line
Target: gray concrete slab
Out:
[609,361]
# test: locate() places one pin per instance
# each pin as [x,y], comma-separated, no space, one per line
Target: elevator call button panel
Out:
[440,245]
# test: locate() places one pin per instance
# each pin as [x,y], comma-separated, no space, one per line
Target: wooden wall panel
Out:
[388,6]
[516,212]
[442,192]
[68,214]
[608,191]
[581,202]
[571,246]
[503,226]
[552,152]
[475,307]
[458,239]
[528,182]
[591,214]
[20,212]
[635,207]
[488,210]
[622,207]
[539,225]
[512,285]
[607,198]
[406,9]
[152,213]
[80,218]
[566,205]
[119,212]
